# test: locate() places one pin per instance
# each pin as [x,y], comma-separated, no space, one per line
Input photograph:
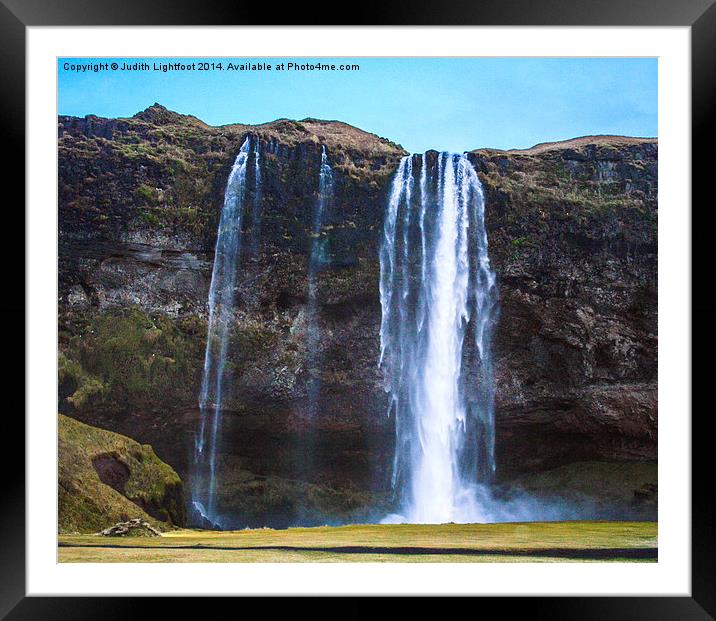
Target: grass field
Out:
[447,543]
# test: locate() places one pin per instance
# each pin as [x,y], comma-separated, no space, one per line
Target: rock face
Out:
[105,478]
[572,233]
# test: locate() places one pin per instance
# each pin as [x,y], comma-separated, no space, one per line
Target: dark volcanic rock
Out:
[572,231]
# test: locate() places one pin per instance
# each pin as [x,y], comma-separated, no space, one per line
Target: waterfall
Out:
[221,312]
[439,304]
[316,260]
[256,203]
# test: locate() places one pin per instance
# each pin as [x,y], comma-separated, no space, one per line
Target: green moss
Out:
[152,491]
[178,165]
[147,193]
[151,218]
[616,481]
[545,184]
[136,151]
[128,354]
[251,498]
[85,388]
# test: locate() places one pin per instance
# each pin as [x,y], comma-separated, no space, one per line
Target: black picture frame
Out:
[17,15]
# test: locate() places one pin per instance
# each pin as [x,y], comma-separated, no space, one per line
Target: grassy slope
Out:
[526,542]
[581,141]
[86,504]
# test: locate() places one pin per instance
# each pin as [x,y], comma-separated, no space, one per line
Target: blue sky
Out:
[453,104]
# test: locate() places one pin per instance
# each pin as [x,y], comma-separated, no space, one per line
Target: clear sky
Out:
[452,104]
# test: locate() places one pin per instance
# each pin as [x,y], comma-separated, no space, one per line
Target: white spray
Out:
[436,286]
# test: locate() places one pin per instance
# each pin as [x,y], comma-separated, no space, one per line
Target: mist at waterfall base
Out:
[439,306]
[438,299]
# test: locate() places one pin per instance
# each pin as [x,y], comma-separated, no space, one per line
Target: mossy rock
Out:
[620,488]
[128,355]
[105,478]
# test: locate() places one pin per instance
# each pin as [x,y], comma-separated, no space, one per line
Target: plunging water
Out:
[439,302]
[221,307]
[316,260]
[256,203]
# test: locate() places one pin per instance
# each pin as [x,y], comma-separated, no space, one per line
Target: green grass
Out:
[523,542]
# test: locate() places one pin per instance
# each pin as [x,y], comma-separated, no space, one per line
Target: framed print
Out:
[397,308]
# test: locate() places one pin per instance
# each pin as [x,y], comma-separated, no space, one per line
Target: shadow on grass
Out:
[574,553]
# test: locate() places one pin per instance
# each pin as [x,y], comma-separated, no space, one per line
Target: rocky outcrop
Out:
[106,478]
[572,232]
[133,528]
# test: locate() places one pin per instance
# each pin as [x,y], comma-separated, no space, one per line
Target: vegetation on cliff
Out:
[127,356]
[166,171]
[599,188]
[106,478]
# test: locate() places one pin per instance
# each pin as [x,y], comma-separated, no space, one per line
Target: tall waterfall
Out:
[256,203]
[317,257]
[439,304]
[221,313]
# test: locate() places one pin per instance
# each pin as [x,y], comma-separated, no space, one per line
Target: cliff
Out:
[574,242]
[572,232]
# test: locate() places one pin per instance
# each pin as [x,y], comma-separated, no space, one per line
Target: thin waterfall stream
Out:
[256,203]
[316,260]
[439,304]
[221,300]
